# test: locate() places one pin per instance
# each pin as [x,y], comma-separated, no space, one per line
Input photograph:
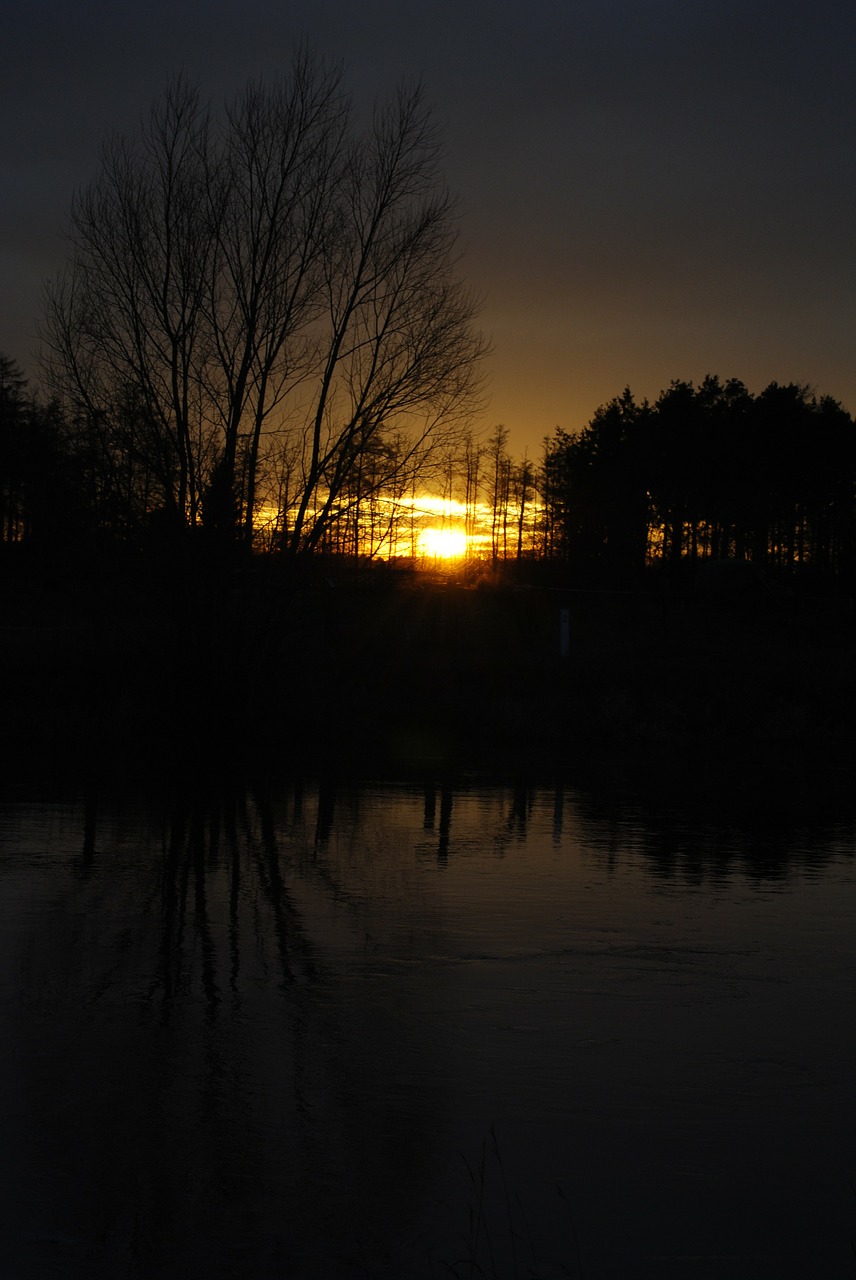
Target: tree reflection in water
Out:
[253,1031]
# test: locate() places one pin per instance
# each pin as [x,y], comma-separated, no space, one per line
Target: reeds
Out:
[498,1243]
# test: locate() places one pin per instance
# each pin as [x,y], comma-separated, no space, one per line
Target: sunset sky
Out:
[650,189]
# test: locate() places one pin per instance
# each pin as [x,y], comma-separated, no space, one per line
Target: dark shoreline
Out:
[118,675]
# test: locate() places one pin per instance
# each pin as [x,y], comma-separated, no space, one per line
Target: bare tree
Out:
[522,479]
[265,284]
[472,462]
[396,346]
[272,189]
[500,482]
[126,320]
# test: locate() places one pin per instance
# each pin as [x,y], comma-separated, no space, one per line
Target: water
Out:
[389,1031]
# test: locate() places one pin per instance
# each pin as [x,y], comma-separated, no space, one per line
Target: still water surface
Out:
[392,1031]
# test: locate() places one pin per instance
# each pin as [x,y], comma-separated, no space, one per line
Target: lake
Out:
[428,1028]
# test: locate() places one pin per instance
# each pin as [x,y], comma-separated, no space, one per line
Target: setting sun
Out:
[443,544]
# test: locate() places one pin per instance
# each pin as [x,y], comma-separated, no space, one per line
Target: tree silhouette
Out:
[42,493]
[263,294]
[13,464]
[707,472]
[596,483]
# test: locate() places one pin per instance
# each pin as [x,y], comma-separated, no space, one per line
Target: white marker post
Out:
[564,632]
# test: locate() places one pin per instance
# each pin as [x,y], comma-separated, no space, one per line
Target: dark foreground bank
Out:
[120,672]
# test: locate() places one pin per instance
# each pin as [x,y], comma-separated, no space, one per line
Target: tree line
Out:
[703,473]
[706,472]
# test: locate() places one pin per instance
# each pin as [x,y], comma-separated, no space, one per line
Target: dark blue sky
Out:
[650,189]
